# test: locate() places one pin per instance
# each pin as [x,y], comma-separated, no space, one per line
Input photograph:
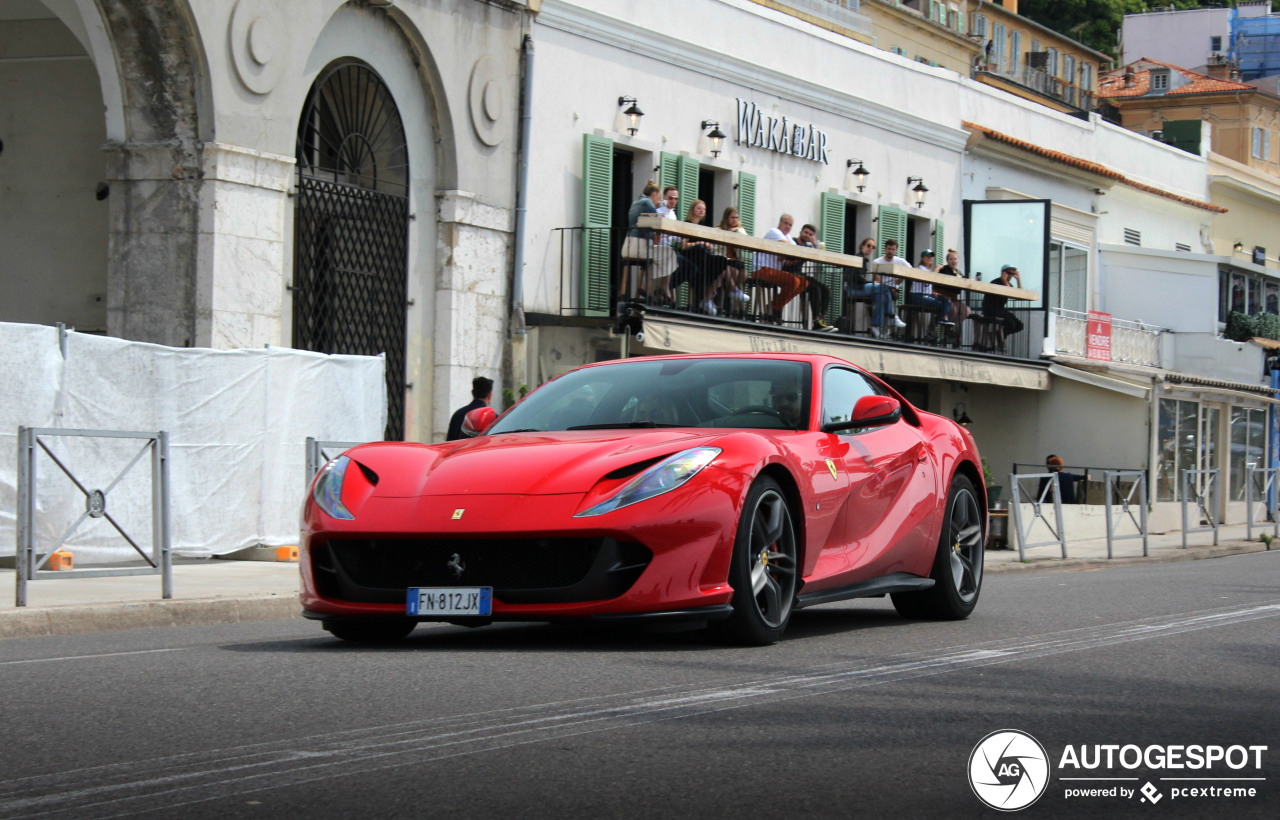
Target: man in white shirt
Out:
[769,269]
[686,270]
[891,258]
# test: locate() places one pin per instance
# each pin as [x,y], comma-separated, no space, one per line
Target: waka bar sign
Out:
[782,135]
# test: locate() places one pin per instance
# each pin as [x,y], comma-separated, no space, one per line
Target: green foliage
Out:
[986,473]
[509,396]
[1266,539]
[1096,23]
[1242,327]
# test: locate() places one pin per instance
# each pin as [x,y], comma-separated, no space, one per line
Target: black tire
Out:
[372,630]
[763,572]
[957,565]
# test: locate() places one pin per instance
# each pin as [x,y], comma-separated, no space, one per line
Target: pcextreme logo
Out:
[1008,770]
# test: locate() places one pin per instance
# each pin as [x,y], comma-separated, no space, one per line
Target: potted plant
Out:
[994,490]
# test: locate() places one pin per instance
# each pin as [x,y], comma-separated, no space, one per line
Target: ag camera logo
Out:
[1008,770]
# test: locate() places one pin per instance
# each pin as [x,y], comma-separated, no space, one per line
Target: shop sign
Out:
[1259,255]
[758,130]
[1098,341]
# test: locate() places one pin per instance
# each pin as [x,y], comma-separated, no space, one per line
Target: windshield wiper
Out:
[621,425]
[521,430]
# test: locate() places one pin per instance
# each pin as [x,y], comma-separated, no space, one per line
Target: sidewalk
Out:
[216,591]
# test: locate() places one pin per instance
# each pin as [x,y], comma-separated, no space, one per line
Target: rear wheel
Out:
[957,566]
[764,567]
[372,630]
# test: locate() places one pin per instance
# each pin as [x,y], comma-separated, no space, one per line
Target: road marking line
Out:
[86,657]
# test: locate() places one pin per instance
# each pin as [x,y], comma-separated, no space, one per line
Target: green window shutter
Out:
[832,225]
[891,223]
[747,202]
[668,170]
[597,182]
[939,244]
[1183,134]
[687,181]
[833,222]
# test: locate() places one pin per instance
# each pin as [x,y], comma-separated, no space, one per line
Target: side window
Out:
[841,390]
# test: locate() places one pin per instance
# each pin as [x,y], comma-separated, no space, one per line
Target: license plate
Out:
[450,600]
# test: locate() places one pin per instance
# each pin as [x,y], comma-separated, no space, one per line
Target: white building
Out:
[336,176]
[1127,226]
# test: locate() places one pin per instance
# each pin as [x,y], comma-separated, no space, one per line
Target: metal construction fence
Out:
[1267,499]
[320,453]
[1047,487]
[31,560]
[1137,486]
[1202,487]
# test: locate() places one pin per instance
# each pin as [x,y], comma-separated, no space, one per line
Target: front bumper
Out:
[667,557]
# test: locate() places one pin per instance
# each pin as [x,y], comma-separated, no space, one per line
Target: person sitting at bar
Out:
[707,260]
[993,305]
[959,308]
[861,283]
[769,270]
[921,293]
[818,294]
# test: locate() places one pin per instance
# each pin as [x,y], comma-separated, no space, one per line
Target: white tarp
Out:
[237,422]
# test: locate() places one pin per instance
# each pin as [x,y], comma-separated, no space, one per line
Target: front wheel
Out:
[957,566]
[764,568]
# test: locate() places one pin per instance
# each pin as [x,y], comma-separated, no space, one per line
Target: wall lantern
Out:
[960,415]
[1238,247]
[716,136]
[859,176]
[919,190]
[633,114]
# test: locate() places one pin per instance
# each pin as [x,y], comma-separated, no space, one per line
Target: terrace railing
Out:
[681,267]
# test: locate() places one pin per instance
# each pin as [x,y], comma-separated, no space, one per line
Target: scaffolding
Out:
[1255,45]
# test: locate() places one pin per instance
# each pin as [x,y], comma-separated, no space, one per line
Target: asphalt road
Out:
[856,712]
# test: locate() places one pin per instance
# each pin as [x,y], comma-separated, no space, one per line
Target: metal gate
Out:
[351,226]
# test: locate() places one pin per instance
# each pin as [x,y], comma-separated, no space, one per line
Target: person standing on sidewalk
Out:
[481,395]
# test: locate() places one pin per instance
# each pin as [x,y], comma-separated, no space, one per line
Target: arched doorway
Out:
[351,225]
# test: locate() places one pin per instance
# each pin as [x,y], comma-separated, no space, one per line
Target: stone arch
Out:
[154,170]
[389,43]
[118,73]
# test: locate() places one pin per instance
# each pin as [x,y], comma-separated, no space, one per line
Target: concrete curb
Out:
[78,619]
[1163,556]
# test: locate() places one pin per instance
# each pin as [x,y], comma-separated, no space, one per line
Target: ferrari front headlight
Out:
[662,477]
[327,491]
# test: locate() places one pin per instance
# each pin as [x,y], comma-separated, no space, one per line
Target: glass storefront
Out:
[1189,432]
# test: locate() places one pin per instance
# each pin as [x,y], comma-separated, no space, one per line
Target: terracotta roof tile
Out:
[1091,167]
[1113,85]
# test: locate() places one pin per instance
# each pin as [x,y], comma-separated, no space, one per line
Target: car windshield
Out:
[761,394]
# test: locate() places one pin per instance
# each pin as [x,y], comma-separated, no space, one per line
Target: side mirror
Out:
[869,411]
[478,420]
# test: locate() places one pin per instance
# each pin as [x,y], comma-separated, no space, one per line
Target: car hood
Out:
[517,463]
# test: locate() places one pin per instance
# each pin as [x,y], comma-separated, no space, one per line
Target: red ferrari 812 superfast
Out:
[727,489]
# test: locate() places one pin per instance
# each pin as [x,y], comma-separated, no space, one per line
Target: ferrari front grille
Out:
[520,570]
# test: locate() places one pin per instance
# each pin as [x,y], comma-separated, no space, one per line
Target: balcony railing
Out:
[786,288]
[1042,82]
[1131,342]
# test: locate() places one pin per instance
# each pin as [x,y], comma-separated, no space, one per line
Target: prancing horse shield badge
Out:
[457,514]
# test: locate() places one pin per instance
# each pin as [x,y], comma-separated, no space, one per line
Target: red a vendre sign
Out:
[1098,341]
